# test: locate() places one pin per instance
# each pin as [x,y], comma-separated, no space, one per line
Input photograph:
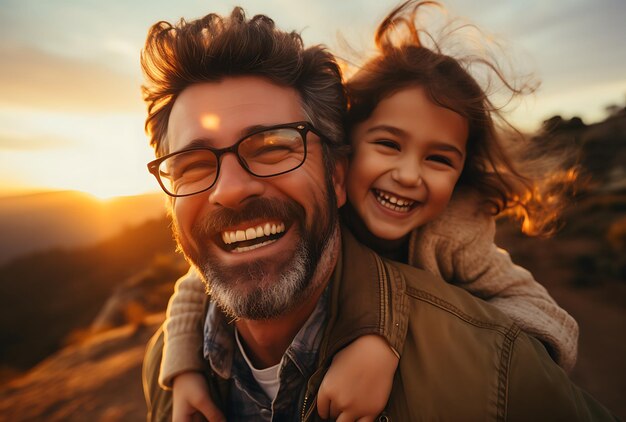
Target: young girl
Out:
[427,175]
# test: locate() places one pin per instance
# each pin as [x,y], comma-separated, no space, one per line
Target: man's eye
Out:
[441,159]
[199,166]
[388,144]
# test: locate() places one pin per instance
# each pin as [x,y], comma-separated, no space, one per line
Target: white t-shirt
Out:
[268,378]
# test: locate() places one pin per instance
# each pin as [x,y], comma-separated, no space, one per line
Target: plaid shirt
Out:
[247,401]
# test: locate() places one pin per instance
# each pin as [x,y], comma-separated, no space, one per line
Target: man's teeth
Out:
[393,202]
[251,247]
[251,233]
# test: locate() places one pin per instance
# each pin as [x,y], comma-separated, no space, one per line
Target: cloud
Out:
[33,78]
[21,142]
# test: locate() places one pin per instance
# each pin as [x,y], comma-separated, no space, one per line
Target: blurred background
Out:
[86,257]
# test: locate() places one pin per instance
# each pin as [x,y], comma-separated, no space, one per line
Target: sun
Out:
[104,195]
[104,192]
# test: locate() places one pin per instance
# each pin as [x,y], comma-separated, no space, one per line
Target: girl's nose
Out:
[407,174]
[234,184]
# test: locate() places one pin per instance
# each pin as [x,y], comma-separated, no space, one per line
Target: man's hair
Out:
[215,47]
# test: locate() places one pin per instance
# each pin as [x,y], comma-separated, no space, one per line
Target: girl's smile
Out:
[408,156]
[393,202]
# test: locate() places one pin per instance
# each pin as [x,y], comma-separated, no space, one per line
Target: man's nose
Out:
[408,172]
[234,185]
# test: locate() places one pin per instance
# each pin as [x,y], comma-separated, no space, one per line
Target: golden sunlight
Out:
[210,121]
[104,193]
[106,188]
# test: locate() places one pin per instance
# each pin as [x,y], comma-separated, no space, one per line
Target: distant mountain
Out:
[602,148]
[66,219]
[45,296]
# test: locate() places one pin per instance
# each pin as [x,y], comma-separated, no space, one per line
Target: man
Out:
[247,125]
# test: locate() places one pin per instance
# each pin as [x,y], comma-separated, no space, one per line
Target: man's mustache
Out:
[221,219]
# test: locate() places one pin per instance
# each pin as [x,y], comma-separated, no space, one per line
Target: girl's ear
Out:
[339,180]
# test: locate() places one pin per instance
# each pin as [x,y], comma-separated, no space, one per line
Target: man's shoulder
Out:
[463,347]
[431,291]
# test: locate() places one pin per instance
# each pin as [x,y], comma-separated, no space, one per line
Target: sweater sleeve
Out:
[459,246]
[183,329]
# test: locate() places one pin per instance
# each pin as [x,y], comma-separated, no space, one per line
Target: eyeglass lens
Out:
[263,154]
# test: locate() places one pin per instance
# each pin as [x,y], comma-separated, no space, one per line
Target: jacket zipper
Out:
[306,396]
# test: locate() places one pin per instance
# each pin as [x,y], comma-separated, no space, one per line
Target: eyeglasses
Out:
[267,152]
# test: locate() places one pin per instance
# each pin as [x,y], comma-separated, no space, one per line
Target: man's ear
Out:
[339,180]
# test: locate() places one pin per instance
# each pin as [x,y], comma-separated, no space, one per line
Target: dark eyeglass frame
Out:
[302,127]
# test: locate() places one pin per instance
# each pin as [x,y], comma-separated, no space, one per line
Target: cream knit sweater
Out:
[458,246]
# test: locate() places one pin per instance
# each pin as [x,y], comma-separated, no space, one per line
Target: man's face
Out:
[293,215]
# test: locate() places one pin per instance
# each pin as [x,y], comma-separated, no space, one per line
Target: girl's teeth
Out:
[393,202]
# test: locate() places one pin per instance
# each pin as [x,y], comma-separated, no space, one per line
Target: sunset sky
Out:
[71,114]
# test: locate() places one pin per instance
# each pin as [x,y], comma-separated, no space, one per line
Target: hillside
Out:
[95,380]
[67,219]
[45,296]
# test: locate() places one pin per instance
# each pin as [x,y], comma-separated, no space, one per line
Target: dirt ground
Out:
[601,315]
[98,380]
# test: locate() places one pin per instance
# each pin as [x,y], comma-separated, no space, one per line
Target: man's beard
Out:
[268,288]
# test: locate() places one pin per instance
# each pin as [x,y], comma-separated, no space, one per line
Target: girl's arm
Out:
[183,329]
[182,364]
[459,246]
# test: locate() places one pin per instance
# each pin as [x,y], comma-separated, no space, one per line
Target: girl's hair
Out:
[403,61]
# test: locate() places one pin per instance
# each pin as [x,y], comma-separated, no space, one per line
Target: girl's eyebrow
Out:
[439,145]
[391,129]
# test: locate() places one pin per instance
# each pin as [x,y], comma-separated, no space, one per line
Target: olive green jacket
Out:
[461,359]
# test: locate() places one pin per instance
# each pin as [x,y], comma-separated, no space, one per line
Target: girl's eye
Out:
[388,144]
[441,159]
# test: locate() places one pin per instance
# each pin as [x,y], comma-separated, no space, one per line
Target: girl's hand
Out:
[358,382]
[191,399]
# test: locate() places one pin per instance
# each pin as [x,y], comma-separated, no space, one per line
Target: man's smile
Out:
[253,237]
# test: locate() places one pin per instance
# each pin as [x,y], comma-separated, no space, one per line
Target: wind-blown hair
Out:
[402,60]
[215,47]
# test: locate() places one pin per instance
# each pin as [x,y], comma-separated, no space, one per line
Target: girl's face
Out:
[407,157]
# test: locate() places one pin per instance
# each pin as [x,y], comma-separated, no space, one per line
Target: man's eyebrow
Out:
[254,128]
[197,143]
[206,142]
